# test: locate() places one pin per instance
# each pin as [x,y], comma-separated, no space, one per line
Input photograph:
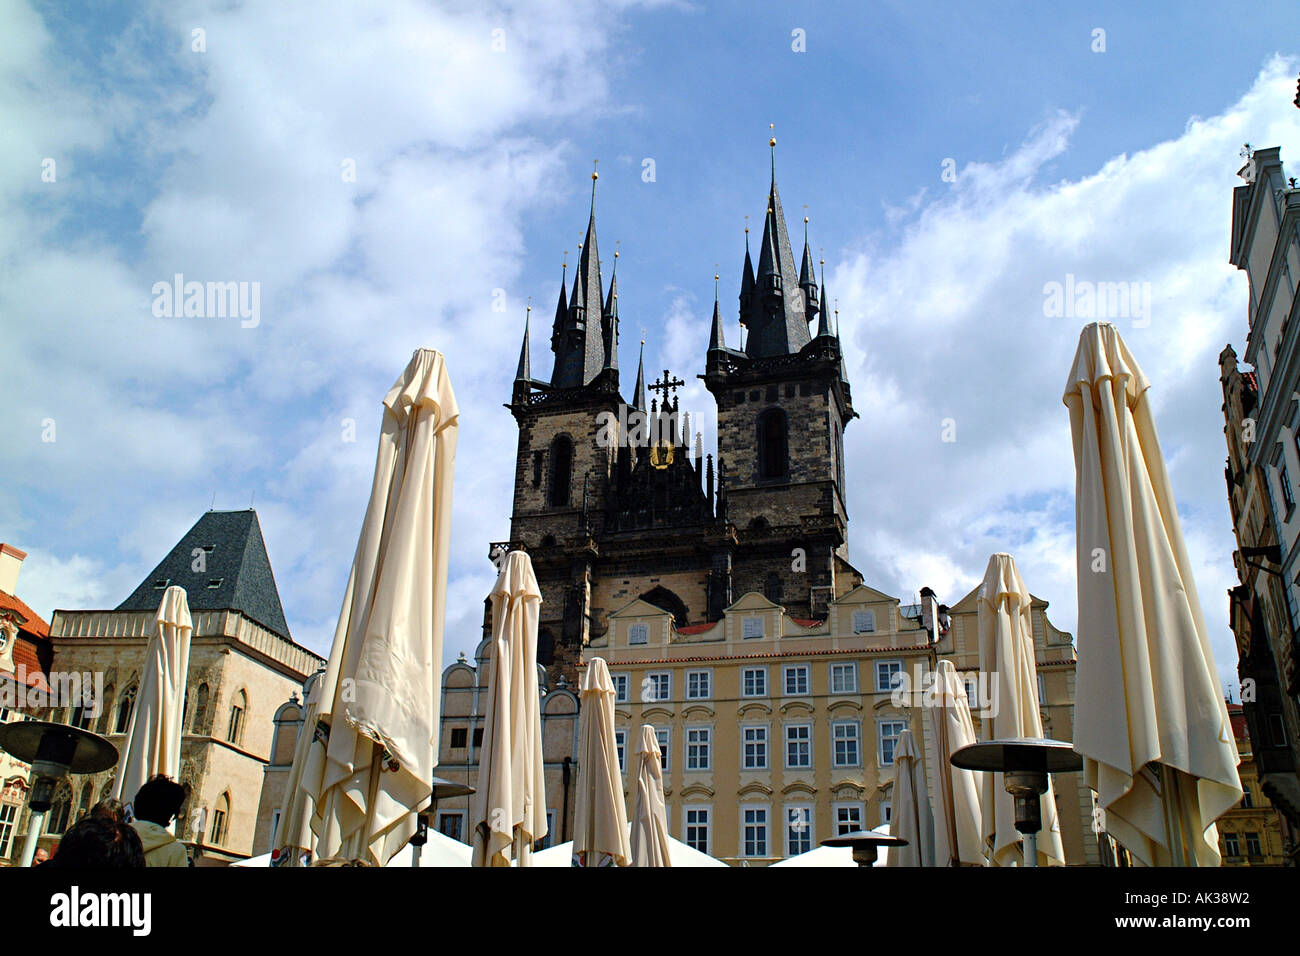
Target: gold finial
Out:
[529,307]
[643,336]
[772,141]
[746,225]
[594,175]
[617,243]
[565,263]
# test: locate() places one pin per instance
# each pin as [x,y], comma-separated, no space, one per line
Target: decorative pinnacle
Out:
[772,142]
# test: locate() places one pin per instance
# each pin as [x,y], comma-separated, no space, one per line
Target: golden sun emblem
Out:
[661,456]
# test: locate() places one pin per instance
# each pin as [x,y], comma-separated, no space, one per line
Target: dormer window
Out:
[161,584]
[215,583]
[638,633]
[751,627]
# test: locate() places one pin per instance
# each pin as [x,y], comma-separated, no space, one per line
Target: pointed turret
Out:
[581,351]
[638,393]
[716,342]
[524,372]
[808,278]
[609,319]
[746,283]
[778,325]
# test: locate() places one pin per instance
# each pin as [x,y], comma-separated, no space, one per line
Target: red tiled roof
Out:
[34,623]
[697,628]
[805,622]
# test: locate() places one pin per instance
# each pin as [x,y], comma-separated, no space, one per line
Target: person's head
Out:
[41,855]
[159,800]
[98,841]
[110,808]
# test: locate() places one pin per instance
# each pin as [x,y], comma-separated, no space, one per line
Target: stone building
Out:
[1251,833]
[778,732]
[464,700]
[25,658]
[243,666]
[1262,430]
[616,500]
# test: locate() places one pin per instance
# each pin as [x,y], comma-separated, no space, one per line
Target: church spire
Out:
[638,393]
[777,326]
[581,350]
[808,277]
[716,342]
[609,319]
[746,280]
[524,372]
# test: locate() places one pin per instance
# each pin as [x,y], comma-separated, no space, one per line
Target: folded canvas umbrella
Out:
[293,837]
[441,851]
[649,846]
[910,816]
[509,809]
[1006,636]
[153,738]
[1150,720]
[600,816]
[380,695]
[957,840]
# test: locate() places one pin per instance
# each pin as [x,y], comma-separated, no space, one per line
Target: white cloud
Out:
[945,319]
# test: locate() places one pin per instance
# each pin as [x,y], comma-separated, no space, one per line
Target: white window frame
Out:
[766,824]
[888,686]
[836,725]
[744,674]
[1042,691]
[870,618]
[620,745]
[789,669]
[788,825]
[786,740]
[972,688]
[858,806]
[460,814]
[707,678]
[638,629]
[653,678]
[706,743]
[881,736]
[8,824]
[752,628]
[664,737]
[766,744]
[706,825]
[886,812]
[621,684]
[851,667]
[275,824]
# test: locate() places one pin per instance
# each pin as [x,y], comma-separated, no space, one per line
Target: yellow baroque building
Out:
[778,732]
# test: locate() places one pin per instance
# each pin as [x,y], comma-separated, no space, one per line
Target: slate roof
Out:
[237,572]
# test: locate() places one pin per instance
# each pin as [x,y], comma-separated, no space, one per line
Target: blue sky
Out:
[472,175]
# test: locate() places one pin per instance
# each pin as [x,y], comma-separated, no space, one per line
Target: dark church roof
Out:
[236,573]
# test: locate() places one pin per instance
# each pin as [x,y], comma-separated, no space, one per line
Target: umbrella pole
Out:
[1029,848]
[1169,793]
[34,827]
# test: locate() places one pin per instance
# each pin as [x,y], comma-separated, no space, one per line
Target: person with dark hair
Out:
[110,808]
[98,842]
[155,805]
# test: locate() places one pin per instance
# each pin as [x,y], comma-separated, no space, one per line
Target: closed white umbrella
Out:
[600,816]
[153,739]
[380,693]
[1150,719]
[293,836]
[509,810]
[957,840]
[1006,640]
[649,845]
[910,817]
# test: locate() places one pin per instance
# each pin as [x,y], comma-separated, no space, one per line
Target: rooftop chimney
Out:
[11,559]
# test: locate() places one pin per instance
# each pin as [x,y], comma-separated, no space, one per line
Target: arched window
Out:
[60,810]
[561,471]
[87,800]
[772,444]
[200,709]
[106,713]
[124,710]
[665,599]
[772,589]
[220,819]
[235,730]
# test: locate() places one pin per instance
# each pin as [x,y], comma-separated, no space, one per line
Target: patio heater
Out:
[1024,763]
[865,844]
[54,751]
[442,790]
